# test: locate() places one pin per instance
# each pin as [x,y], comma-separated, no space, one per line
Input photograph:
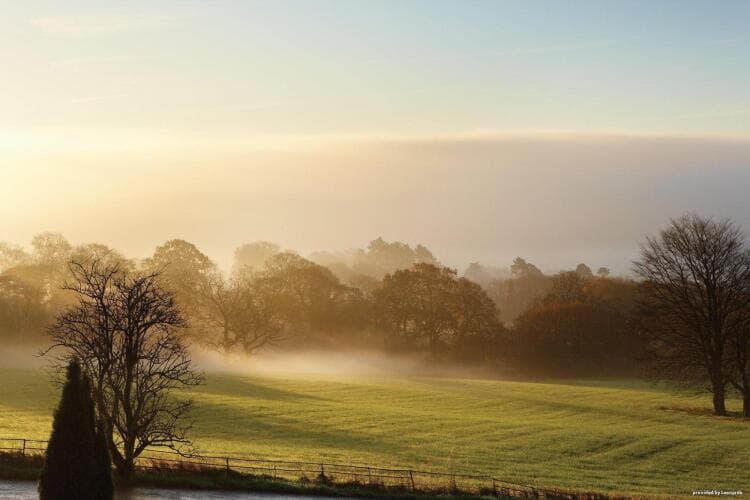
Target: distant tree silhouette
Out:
[485,275]
[254,255]
[382,257]
[567,286]
[51,249]
[311,300]
[513,296]
[186,272]
[521,269]
[12,255]
[584,271]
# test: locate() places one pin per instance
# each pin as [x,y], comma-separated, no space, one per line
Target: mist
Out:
[334,363]
[279,363]
[554,198]
[23,356]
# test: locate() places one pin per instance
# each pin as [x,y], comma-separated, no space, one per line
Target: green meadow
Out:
[615,436]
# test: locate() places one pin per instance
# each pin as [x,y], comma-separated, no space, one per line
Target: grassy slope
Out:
[595,436]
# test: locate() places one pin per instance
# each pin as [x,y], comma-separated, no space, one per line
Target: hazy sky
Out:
[561,131]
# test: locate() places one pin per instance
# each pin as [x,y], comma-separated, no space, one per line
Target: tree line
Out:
[684,316]
[389,296]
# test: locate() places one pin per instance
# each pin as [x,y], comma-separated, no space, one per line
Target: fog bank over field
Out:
[556,198]
[22,356]
[329,363]
[366,363]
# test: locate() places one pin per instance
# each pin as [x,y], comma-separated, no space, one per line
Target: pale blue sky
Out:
[348,66]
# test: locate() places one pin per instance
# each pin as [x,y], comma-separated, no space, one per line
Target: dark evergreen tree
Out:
[70,469]
[105,486]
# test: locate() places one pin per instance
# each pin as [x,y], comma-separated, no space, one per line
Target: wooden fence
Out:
[323,472]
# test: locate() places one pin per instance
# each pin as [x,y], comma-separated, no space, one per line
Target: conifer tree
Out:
[105,486]
[70,469]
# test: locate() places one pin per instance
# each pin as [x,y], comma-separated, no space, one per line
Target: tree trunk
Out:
[746,405]
[719,405]
[128,469]
[125,472]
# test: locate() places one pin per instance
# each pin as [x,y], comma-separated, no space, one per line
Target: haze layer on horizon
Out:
[487,130]
[555,199]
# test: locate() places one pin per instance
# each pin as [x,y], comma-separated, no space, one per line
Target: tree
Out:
[415,306]
[382,257]
[521,269]
[188,273]
[47,267]
[602,272]
[24,311]
[738,365]
[98,252]
[246,314]
[290,300]
[254,255]
[105,484]
[567,286]
[478,326]
[584,271]
[12,255]
[263,315]
[515,295]
[308,296]
[124,329]
[378,259]
[485,275]
[74,468]
[581,328]
[183,269]
[695,299]
[50,249]
[428,308]
[423,255]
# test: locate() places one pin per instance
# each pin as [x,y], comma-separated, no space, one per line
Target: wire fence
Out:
[409,479]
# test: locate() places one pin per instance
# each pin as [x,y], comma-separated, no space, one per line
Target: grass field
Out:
[617,436]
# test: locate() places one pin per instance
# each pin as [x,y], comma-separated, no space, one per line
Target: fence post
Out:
[411,476]
[227,464]
[494,487]
[369,476]
[23,450]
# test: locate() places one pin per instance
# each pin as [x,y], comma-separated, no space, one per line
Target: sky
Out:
[560,131]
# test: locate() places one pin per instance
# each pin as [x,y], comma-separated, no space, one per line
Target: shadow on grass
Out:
[223,421]
[221,385]
[703,411]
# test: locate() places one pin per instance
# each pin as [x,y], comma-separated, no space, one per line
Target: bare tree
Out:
[124,330]
[247,313]
[695,299]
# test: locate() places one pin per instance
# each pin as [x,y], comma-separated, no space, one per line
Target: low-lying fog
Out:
[331,363]
[335,363]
